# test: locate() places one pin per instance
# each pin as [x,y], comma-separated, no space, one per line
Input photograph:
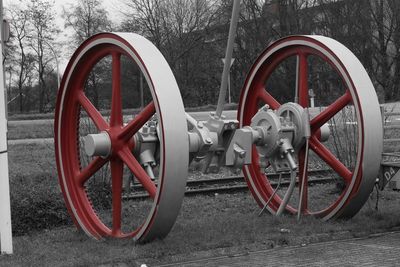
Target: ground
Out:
[207,226]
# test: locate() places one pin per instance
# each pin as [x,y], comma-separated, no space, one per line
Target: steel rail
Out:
[225,184]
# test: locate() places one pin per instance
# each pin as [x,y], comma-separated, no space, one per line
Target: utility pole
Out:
[5,209]
[228,57]
[229,79]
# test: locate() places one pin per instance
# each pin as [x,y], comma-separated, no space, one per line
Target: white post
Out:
[5,211]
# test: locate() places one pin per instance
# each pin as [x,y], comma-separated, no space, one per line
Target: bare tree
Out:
[179,28]
[394,7]
[145,17]
[383,26]
[171,25]
[43,30]
[23,63]
[86,18]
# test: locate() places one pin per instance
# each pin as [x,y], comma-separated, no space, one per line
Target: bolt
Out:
[208,140]
[200,124]
[242,154]
[266,107]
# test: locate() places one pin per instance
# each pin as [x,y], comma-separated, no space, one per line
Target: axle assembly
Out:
[275,131]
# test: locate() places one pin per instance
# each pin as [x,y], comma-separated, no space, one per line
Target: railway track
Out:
[229,184]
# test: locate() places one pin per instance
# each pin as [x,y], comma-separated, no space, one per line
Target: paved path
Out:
[31,141]
[380,250]
[30,122]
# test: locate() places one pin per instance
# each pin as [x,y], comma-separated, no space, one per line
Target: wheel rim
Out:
[168,195]
[358,181]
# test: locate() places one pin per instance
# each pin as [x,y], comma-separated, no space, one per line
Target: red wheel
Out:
[322,64]
[74,108]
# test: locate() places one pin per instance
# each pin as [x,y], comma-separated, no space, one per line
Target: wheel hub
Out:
[289,122]
[292,114]
[106,143]
[97,144]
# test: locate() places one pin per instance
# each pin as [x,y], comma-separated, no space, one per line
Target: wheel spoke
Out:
[93,113]
[330,111]
[330,159]
[137,123]
[302,80]
[268,99]
[303,171]
[116,101]
[90,170]
[138,171]
[117,168]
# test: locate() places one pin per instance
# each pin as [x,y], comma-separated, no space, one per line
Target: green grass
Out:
[27,131]
[207,226]
[36,200]
[35,190]
[27,162]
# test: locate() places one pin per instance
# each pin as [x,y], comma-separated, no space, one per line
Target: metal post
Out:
[228,57]
[5,210]
[229,79]
[229,88]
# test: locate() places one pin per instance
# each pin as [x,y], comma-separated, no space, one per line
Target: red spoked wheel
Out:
[165,104]
[346,101]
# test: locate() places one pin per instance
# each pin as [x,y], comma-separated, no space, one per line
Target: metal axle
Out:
[97,144]
[275,136]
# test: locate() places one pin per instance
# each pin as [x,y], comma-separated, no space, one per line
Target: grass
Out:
[36,200]
[27,162]
[42,129]
[207,226]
